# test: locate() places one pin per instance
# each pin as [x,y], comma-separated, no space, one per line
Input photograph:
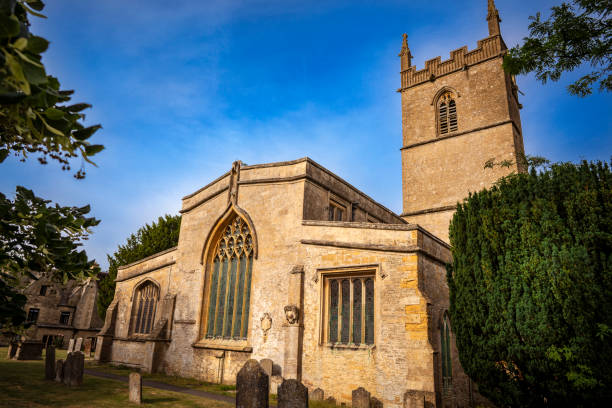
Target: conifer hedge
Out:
[531,287]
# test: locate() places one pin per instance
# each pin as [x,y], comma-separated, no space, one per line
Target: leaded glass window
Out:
[447,114]
[230,283]
[146,298]
[350,309]
[447,371]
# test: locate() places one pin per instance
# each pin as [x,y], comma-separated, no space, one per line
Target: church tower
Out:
[456,115]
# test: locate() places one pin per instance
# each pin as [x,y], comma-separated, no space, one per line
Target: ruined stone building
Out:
[60,312]
[288,262]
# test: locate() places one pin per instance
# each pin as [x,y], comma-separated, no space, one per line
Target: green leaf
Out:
[37,5]
[93,149]
[3,154]
[20,43]
[49,127]
[34,13]
[28,59]
[78,107]
[37,45]
[9,26]
[86,133]
[34,75]
[54,113]
[17,72]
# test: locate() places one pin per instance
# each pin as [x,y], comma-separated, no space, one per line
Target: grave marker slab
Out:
[252,385]
[292,394]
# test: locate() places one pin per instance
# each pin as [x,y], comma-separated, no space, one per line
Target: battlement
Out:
[461,58]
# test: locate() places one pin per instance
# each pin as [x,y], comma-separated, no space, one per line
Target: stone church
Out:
[289,263]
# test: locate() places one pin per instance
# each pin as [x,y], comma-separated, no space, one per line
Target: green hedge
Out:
[531,287]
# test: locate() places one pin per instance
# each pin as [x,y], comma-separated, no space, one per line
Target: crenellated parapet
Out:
[460,59]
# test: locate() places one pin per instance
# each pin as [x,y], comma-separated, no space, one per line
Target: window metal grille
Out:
[350,310]
[230,284]
[447,114]
[146,297]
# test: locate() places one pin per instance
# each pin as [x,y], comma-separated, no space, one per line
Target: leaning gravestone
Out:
[50,363]
[59,371]
[317,395]
[135,388]
[78,344]
[376,403]
[292,394]
[70,346]
[361,398]
[73,369]
[252,384]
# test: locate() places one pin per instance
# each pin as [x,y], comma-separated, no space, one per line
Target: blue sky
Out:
[184,88]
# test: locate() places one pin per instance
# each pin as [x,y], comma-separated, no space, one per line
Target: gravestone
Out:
[292,394]
[317,395]
[59,371]
[78,344]
[330,400]
[361,398]
[375,403]
[135,387]
[87,347]
[267,365]
[70,346]
[50,363]
[29,350]
[73,369]
[252,384]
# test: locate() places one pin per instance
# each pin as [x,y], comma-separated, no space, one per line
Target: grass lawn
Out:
[22,384]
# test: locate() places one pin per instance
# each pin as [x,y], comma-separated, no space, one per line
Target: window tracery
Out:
[230,283]
[447,114]
[146,299]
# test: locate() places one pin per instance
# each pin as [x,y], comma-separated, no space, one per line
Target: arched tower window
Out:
[447,114]
[447,371]
[145,304]
[230,283]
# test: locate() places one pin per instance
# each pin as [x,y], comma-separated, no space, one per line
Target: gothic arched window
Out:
[230,283]
[447,371]
[145,303]
[447,114]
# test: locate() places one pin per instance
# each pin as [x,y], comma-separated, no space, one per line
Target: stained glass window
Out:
[230,283]
[146,297]
[350,310]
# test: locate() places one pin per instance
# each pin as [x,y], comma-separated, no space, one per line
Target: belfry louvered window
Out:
[447,114]
[447,371]
[146,297]
[230,283]
[350,310]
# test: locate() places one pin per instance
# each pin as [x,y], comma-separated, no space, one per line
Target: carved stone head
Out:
[292,313]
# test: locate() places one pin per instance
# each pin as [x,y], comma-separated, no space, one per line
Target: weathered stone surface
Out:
[360,398]
[252,385]
[87,347]
[12,350]
[59,371]
[135,387]
[375,403]
[50,363]
[292,394]
[73,369]
[70,346]
[78,344]
[29,350]
[267,365]
[317,395]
